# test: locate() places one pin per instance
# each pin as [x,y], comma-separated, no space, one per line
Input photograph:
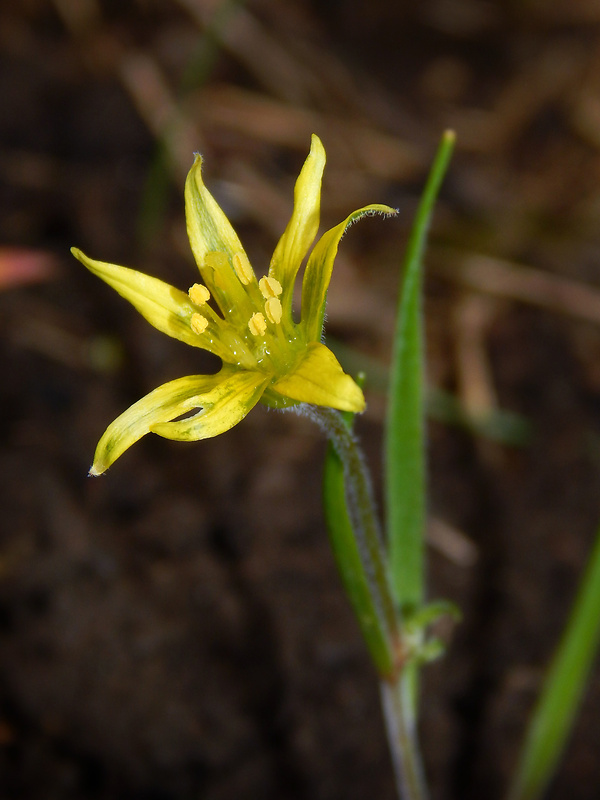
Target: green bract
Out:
[266,355]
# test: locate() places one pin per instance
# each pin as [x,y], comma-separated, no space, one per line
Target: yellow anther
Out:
[198,323]
[269,287]
[273,309]
[257,324]
[199,294]
[243,268]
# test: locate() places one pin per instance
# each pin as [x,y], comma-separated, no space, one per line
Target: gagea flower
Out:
[244,320]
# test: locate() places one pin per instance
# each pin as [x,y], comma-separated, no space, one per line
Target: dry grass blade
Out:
[472,318]
[519,282]
[250,43]
[379,154]
[143,79]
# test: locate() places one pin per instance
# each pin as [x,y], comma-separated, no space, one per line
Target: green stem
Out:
[397,704]
[361,508]
[395,687]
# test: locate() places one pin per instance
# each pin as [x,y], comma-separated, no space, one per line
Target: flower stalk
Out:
[396,700]
[361,510]
[360,553]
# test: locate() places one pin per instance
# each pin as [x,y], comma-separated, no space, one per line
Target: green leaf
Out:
[554,715]
[404,437]
[350,564]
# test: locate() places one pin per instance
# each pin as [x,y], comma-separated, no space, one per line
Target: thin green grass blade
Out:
[563,690]
[350,566]
[405,428]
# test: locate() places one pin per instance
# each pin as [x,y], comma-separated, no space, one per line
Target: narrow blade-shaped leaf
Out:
[563,690]
[405,439]
[347,555]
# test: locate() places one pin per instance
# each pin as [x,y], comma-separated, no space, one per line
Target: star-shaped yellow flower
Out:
[247,322]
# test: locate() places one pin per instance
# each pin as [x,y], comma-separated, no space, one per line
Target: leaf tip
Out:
[449,136]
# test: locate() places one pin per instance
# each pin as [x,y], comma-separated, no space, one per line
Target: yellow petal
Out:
[319,379]
[226,404]
[170,310]
[303,225]
[167,402]
[219,254]
[208,227]
[318,271]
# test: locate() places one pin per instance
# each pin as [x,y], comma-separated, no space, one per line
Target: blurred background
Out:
[176,629]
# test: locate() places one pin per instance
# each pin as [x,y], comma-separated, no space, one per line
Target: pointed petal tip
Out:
[82,258]
[196,168]
[316,143]
[360,404]
[95,471]
[317,150]
[319,379]
[194,176]
[354,400]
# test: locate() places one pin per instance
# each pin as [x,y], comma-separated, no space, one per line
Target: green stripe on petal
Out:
[166,308]
[210,232]
[223,406]
[169,310]
[208,227]
[319,267]
[319,379]
[303,225]
[165,403]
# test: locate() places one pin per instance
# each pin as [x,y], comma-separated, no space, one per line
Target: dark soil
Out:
[176,629]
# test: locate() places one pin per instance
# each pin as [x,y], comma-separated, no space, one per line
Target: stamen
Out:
[199,294]
[273,310]
[269,287]
[257,324]
[198,323]
[243,268]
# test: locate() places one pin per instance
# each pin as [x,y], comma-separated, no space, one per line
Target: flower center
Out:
[252,314]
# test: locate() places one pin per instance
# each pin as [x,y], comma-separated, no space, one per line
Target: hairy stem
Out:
[397,708]
[361,508]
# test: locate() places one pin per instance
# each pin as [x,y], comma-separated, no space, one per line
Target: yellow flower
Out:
[245,321]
